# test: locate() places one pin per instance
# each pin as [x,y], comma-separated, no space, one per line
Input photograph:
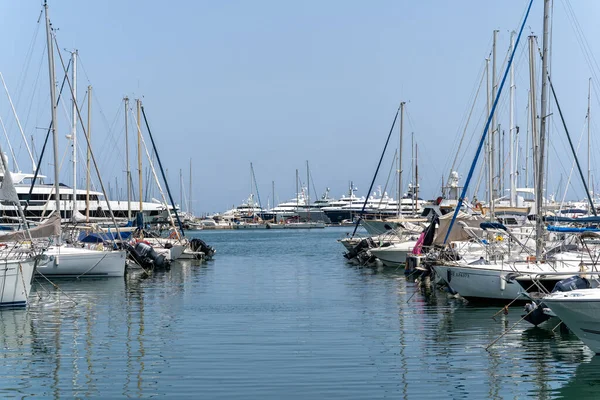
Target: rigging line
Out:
[583,43]
[313,185]
[9,145]
[376,171]
[163,174]
[108,147]
[587,191]
[571,172]
[464,115]
[253,179]
[34,87]
[387,181]
[467,123]
[28,57]
[482,116]
[84,130]
[17,119]
[487,125]
[39,164]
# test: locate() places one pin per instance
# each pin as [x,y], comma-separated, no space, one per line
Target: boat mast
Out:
[543,106]
[89,135]
[138,103]
[490,169]
[74,130]
[416,178]
[127,159]
[181,187]
[307,199]
[533,109]
[494,130]
[513,176]
[190,193]
[589,120]
[400,159]
[50,49]
[412,145]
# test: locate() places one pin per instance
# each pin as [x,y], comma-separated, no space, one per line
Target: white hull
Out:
[482,283]
[394,255]
[378,227]
[172,253]
[580,311]
[250,226]
[81,262]
[176,251]
[15,281]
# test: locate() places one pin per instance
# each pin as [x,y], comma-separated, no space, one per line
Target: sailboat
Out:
[17,260]
[486,260]
[67,261]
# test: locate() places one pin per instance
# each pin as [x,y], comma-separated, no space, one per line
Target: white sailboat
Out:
[68,261]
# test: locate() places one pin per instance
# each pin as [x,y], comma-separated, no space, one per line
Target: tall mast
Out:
[74,130]
[542,149]
[416,178]
[511,150]
[127,159]
[589,120]
[138,103]
[308,190]
[50,49]
[412,145]
[527,142]
[297,200]
[89,135]
[181,187]
[533,108]
[400,159]
[489,139]
[494,130]
[190,191]
[273,193]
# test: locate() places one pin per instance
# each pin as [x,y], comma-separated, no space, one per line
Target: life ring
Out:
[142,241]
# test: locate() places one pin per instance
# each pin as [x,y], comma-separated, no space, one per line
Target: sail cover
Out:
[457,233]
[50,227]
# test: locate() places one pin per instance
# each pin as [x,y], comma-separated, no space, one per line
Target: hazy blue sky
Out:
[277,83]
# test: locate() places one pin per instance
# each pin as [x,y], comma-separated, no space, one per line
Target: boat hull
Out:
[581,314]
[80,262]
[394,255]
[15,281]
[479,283]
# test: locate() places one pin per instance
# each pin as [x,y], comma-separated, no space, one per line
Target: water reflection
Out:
[266,324]
[585,383]
[83,338]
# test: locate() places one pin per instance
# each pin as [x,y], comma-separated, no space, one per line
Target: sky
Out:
[277,84]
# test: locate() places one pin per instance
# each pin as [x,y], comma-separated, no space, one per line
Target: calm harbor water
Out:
[278,314]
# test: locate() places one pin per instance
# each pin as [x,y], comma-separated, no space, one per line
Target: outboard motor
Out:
[197,245]
[364,244]
[535,310]
[572,283]
[144,255]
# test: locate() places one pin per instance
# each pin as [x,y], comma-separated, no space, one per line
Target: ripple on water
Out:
[278,315]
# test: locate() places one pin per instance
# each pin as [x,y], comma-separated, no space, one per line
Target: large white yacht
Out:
[41,203]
